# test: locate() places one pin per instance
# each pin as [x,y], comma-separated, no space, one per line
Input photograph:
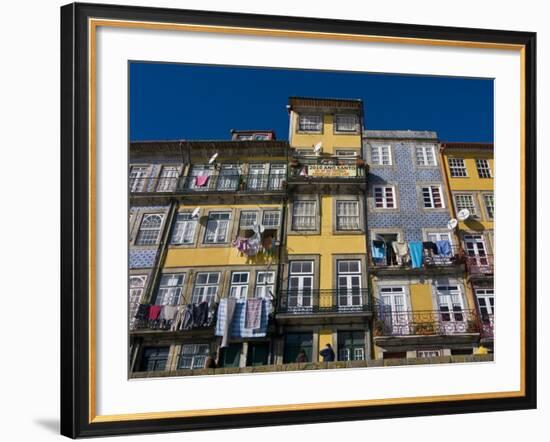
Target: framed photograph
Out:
[273,220]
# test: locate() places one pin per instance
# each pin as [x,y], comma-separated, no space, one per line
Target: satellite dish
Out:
[318,147]
[452,224]
[195,212]
[463,215]
[213,158]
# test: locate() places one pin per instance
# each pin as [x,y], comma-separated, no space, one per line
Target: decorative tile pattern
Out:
[142,258]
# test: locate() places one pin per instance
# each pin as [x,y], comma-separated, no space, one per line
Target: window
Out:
[184,229]
[248,219]
[349,284]
[303,215]
[138,178]
[432,198]
[229,176]
[300,284]
[137,286]
[483,169]
[265,285]
[351,345]
[257,177]
[149,231]
[206,287]
[489,205]
[277,176]
[380,155]
[439,259]
[217,227]
[295,343]
[154,358]
[384,197]
[392,311]
[168,179]
[193,356]
[170,288]
[465,201]
[425,156]
[239,285]
[230,356]
[486,304]
[200,178]
[457,167]
[271,218]
[346,123]
[347,215]
[310,123]
[258,354]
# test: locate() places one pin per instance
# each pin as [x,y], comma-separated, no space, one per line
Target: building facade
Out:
[469,172]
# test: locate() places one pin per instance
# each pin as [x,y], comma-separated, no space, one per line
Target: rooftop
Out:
[461,145]
[400,134]
[337,103]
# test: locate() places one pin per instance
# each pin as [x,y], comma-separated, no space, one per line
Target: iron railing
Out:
[429,260]
[215,182]
[487,325]
[323,301]
[441,322]
[480,265]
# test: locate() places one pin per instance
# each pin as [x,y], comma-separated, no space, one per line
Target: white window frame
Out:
[207,291]
[380,158]
[266,288]
[245,215]
[308,219]
[345,220]
[483,168]
[303,296]
[184,229]
[431,198]
[138,178]
[422,157]
[143,229]
[354,123]
[309,126]
[168,178]
[489,208]
[473,208]
[268,213]
[457,168]
[351,296]
[384,196]
[136,285]
[220,233]
[170,289]
[239,289]
[197,354]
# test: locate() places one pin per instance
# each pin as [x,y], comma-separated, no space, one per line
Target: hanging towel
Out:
[378,250]
[201,181]
[416,249]
[229,312]
[168,312]
[431,246]
[253,313]
[400,248]
[154,312]
[444,247]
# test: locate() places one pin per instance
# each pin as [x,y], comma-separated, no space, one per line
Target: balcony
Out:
[430,261]
[212,183]
[322,302]
[441,322]
[327,170]
[487,326]
[480,266]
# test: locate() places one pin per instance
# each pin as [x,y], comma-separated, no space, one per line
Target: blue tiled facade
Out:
[409,217]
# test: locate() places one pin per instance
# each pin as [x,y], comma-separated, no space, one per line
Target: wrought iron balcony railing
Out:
[487,325]
[480,265]
[214,182]
[309,301]
[441,322]
[429,260]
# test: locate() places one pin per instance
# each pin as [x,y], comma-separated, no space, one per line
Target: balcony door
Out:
[168,179]
[486,307]
[476,250]
[349,284]
[440,236]
[452,317]
[277,176]
[229,177]
[257,179]
[200,178]
[393,310]
[300,285]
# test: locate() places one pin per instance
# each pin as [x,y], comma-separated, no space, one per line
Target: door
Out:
[298,347]
[393,311]
[476,250]
[256,177]
[452,317]
[300,285]
[351,345]
[258,353]
[138,178]
[486,307]
[231,355]
[440,236]
[349,285]
[200,178]
[277,176]
[229,177]
[168,179]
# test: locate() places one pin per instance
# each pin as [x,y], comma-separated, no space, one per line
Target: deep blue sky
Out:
[178,101]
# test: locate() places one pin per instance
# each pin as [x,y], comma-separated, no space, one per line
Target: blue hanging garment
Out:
[416,252]
[378,250]
[444,247]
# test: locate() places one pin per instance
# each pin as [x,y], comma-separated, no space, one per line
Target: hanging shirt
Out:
[201,181]
[378,250]
[154,312]
[444,247]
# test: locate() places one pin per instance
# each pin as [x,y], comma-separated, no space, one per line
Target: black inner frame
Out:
[75,220]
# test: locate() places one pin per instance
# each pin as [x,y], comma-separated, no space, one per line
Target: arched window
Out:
[149,230]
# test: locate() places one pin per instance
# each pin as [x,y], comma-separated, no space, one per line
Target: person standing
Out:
[327,353]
